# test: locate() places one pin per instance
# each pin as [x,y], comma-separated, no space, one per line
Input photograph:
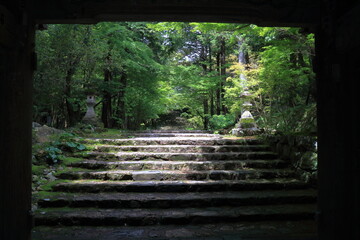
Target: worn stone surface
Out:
[185,179]
[148,216]
[174,141]
[176,200]
[172,134]
[301,151]
[168,175]
[279,230]
[180,165]
[180,156]
[183,148]
[175,131]
[42,134]
[179,186]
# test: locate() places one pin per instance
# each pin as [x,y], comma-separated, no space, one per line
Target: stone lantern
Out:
[90,116]
[246,126]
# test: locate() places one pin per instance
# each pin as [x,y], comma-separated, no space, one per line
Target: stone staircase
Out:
[177,178]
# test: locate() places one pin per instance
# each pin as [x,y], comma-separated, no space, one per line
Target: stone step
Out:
[180,165]
[166,134]
[136,156]
[168,175]
[175,200]
[179,186]
[174,131]
[142,217]
[245,230]
[173,141]
[182,148]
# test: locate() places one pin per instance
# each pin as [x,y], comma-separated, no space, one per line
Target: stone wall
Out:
[300,151]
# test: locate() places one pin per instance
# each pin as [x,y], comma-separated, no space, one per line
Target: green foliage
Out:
[142,70]
[54,151]
[73,59]
[52,154]
[37,170]
[279,75]
[67,142]
[46,154]
[68,160]
[218,122]
[286,82]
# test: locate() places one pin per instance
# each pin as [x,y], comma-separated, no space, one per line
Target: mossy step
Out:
[168,175]
[142,217]
[167,134]
[94,186]
[263,230]
[180,165]
[172,131]
[176,200]
[182,148]
[173,141]
[133,156]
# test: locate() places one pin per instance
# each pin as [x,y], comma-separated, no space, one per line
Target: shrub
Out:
[52,152]
[217,122]
[68,143]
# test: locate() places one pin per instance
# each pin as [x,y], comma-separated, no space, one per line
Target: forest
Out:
[143,73]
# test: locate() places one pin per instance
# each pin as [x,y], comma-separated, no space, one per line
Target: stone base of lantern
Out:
[92,121]
[246,126]
[239,132]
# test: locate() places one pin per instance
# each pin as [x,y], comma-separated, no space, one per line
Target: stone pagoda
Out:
[246,126]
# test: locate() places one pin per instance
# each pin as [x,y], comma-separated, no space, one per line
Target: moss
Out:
[66,170]
[90,180]
[69,160]
[42,181]
[62,209]
[47,194]
[239,138]
[109,133]
[37,170]
[81,154]
[49,185]
[92,147]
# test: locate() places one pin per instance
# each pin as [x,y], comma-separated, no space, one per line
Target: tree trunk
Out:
[206,113]
[106,112]
[203,56]
[210,57]
[70,116]
[212,105]
[121,101]
[218,89]
[222,73]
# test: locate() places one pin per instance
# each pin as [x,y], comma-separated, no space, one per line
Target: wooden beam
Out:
[16,72]
[261,12]
[346,37]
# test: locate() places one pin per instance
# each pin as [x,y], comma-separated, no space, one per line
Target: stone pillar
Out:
[17,62]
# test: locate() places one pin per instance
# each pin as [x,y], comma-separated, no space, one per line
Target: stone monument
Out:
[90,116]
[246,126]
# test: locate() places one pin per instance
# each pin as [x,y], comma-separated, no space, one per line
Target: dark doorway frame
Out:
[337,66]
